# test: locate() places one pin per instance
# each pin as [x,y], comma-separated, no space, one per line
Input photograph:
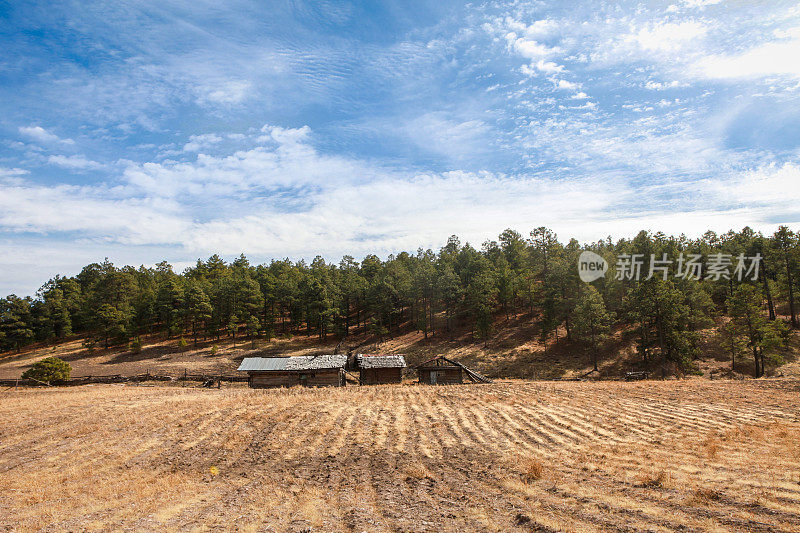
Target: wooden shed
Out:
[306,370]
[379,369]
[443,371]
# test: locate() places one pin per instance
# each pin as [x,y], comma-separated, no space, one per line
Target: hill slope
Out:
[514,351]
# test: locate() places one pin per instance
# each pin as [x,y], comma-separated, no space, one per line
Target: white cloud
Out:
[38,133]
[667,36]
[282,160]
[287,135]
[772,186]
[541,28]
[351,206]
[694,4]
[12,175]
[530,48]
[197,142]
[225,93]
[548,67]
[74,162]
[96,212]
[661,86]
[767,59]
[455,139]
[564,84]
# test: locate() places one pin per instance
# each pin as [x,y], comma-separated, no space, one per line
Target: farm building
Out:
[379,369]
[307,370]
[443,371]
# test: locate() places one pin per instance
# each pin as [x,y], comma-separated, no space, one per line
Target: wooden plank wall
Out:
[447,375]
[317,378]
[376,376]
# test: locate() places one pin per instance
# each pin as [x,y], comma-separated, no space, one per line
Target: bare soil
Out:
[526,456]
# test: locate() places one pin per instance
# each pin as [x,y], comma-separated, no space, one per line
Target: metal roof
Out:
[263,363]
[294,363]
[381,361]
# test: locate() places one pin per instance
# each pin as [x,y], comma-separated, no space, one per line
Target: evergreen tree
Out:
[198,308]
[592,322]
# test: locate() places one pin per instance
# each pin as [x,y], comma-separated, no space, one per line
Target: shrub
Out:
[654,479]
[704,495]
[531,469]
[182,343]
[49,369]
[214,350]
[136,345]
[417,472]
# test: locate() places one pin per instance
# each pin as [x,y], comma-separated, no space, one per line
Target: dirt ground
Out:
[527,456]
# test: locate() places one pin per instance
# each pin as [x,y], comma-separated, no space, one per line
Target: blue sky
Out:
[143,131]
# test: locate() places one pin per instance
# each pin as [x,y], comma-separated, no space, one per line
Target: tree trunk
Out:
[791,293]
[430,316]
[757,362]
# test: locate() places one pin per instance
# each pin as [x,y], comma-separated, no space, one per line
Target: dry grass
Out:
[531,469]
[417,472]
[655,479]
[714,456]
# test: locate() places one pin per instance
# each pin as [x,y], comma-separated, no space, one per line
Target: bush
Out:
[182,343]
[214,350]
[49,369]
[531,469]
[136,345]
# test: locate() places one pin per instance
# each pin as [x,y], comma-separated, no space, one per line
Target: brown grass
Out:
[531,469]
[501,457]
[656,479]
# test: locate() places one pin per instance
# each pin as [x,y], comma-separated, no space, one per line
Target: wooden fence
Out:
[117,378]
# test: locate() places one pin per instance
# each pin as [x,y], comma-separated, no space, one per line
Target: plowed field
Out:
[660,456]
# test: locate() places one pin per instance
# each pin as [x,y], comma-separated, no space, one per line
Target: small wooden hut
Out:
[306,370]
[380,369]
[443,371]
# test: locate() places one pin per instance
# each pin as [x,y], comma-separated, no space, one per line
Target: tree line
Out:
[435,292]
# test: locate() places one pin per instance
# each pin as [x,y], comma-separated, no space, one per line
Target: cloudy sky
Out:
[142,131]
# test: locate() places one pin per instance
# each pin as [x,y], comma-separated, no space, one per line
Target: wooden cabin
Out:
[306,370]
[443,371]
[380,369]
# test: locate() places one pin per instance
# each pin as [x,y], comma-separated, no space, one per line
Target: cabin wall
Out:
[444,375]
[377,376]
[324,378]
[263,380]
[315,378]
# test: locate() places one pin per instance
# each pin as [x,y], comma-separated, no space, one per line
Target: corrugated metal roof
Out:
[381,361]
[294,363]
[263,363]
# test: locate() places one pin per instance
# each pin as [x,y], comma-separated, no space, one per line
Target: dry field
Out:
[660,456]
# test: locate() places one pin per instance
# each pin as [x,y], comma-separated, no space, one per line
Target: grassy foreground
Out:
[541,456]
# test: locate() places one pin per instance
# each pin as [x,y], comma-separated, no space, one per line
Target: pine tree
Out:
[198,308]
[591,322]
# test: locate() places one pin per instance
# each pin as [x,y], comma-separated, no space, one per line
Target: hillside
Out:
[514,351]
[655,456]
